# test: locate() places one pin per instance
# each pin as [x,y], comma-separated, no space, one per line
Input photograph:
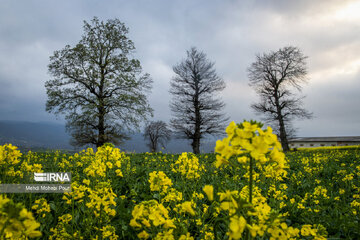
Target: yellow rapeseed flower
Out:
[209,190]
[186,207]
[237,226]
[143,235]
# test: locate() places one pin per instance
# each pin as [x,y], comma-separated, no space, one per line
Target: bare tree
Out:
[276,77]
[156,133]
[195,105]
[98,85]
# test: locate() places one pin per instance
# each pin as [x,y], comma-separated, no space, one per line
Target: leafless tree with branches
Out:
[276,77]
[196,106]
[156,133]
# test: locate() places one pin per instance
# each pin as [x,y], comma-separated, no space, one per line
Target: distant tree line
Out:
[102,92]
[156,133]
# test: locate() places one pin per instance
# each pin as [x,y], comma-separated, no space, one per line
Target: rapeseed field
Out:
[247,189]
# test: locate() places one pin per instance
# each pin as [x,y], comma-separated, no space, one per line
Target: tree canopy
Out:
[276,77]
[98,85]
[156,133]
[196,105]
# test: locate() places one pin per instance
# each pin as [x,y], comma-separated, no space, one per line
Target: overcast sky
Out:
[231,33]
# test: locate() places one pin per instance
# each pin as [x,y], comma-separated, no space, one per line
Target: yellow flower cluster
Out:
[108,232]
[355,204]
[283,232]
[41,207]
[208,232]
[255,150]
[186,237]
[27,167]
[159,181]
[11,172]
[9,158]
[106,157]
[313,165]
[237,226]
[16,222]
[209,191]
[103,198]
[60,231]
[165,235]
[78,192]
[149,215]
[247,141]
[172,195]
[188,166]
[9,155]
[228,201]
[348,177]
[65,218]
[318,232]
[14,168]
[188,207]
[321,191]
[197,196]
[262,219]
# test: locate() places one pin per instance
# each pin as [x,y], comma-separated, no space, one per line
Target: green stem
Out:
[3,228]
[72,214]
[250,193]
[251,180]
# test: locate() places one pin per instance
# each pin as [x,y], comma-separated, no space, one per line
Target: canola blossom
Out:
[247,189]
[16,222]
[150,215]
[248,141]
[259,152]
[159,181]
[188,166]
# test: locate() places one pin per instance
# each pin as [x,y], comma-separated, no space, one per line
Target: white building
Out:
[308,142]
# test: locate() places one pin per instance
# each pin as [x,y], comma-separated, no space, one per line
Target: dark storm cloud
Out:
[229,32]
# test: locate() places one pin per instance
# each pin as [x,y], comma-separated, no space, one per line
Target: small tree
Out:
[98,85]
[156,133]
[195,105]
[275,77]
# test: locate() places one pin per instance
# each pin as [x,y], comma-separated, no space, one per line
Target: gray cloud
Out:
[229,32]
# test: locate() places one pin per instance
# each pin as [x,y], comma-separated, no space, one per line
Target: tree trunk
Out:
[154,147]
[101,130]
[197,135]
[196,145]
[283,137]
[101,109]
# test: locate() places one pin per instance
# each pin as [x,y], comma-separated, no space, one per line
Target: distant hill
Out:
[43,135]
[29,135]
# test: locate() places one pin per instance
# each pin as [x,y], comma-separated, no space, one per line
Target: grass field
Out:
[315,195]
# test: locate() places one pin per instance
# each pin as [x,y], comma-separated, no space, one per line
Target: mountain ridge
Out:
[52,136]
